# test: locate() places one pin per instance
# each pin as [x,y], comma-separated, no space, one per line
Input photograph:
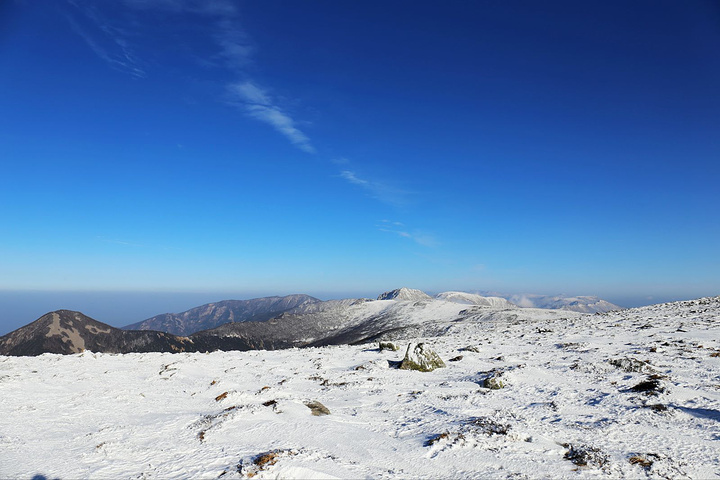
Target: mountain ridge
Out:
[211,315]
[304,321]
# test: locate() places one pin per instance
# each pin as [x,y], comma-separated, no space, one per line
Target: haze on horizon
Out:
[347,148]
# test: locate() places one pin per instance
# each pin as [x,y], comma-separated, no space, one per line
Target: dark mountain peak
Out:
[67,331]
[61,331]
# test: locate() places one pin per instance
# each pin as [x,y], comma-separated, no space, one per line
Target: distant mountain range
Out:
[585,304]
[280,322]
[213,315]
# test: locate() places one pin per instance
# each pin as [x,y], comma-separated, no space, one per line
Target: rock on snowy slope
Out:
[404,293]
[214,314]
[419,356]
[475,299]
[67,332]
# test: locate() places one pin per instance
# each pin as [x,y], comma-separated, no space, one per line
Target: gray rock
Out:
[471,348]
[631,365]
[494,382]
[422,358]
[317,408]
[388,346]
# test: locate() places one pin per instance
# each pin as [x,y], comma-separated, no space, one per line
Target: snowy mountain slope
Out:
[212,315]
[310,324]
[475,299]
[630,394]
[353,321]
[583,304]
[405,293]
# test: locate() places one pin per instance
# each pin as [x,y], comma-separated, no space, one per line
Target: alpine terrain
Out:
[432,389]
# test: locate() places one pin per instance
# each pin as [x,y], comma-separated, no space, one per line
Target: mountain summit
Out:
[404,294]
[66,332]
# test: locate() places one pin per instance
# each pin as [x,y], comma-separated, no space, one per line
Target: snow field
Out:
[565,409]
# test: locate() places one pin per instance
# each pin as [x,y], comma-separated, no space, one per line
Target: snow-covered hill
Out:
[405,293]
[583,304]
[352,321]
[633,394]
[475,299]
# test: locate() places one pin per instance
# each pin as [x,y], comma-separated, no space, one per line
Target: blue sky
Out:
[347,148]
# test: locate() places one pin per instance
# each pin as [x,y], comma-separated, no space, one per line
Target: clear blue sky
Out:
[338,148]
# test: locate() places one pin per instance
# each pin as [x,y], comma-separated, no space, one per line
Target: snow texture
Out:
[633,394]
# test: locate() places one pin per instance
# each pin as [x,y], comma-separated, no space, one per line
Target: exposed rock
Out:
[644,460]
[450,437]
[262,462]
[388,346]
[488,426]
[421,357]
[631,365]
[317,408]
[470,348]
[494,382]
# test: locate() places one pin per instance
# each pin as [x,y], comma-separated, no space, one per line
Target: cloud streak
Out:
[259,105]
[378,190]
[109,44]
[399,229]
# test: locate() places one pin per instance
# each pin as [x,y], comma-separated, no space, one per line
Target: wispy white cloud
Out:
[352,178]
[108,42]
[235,47]
[258,104]
[119,242]
[398,228]
[231,43]
[380,191]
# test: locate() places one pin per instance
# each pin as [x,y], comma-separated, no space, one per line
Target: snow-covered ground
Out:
[625,394]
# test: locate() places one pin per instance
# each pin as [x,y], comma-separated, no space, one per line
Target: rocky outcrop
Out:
[422,358]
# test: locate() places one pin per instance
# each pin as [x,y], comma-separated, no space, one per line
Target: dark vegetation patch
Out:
[584,455]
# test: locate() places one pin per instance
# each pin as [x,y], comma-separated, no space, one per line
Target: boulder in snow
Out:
[388,346]
[317,408]
[421,357]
